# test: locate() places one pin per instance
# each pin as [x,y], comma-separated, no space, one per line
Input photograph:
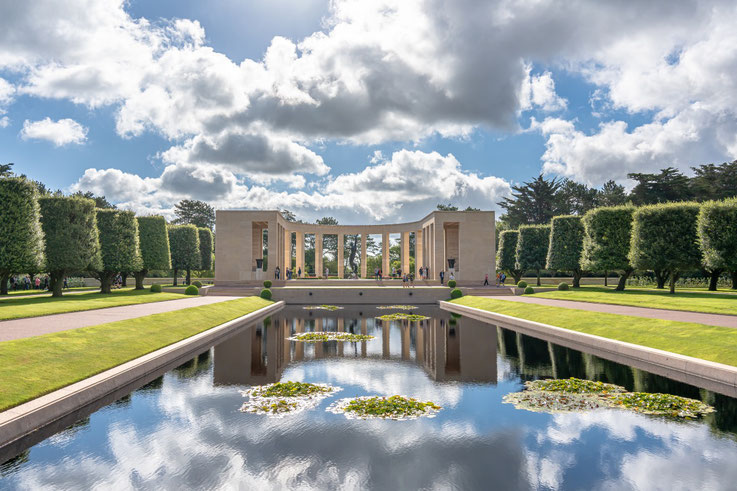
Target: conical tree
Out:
[154,242]
[119,246]
[21,247]
[184,242]
[566,244]
[72,243]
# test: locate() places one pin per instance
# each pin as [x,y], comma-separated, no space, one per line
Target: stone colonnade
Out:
[465,237]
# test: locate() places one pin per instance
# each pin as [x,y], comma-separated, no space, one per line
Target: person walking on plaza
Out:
[38,283]
[442,277]
[299,272]
[502,278]
[486,279]
[412,280]
[276,273]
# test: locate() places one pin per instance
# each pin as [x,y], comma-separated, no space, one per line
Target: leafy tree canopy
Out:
[194,212]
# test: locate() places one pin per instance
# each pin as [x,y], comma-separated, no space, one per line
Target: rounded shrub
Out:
[192,290]
[452,283]
[267,284]
[529,290]
[456,293]
[266,293]
[522,284]
[563,286]
[197,283]
[155,288]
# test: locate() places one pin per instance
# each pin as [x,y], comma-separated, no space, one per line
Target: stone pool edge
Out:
[710,375]
[20,421]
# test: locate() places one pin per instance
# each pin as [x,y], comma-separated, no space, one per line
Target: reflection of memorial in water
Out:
[448,350]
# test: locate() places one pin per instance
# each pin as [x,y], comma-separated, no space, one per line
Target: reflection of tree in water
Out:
[196,365]
[531,359]
[9,467]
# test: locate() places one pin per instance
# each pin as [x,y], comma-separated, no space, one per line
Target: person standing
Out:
[442,277]
[503,277]
[486,279]
[299,272]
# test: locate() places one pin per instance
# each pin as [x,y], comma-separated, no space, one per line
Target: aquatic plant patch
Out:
[285,398]
[320,336]
[322,307]
[395,407]
[397,307]
[568,395]
[401,316]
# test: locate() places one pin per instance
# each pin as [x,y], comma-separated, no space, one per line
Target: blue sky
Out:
[366,112]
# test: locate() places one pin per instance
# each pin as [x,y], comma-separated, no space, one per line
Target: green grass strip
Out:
[32,367]
[18,308]
[23,293]
[712,303]
[712,343]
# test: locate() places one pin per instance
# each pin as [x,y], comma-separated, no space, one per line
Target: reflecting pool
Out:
[184,430]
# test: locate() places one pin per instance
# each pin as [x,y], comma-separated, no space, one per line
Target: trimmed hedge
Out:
[72,242]
[267,284]
[529,290]
[563,286]
[566,244]
[452,283]
[717,229]
[154,243]
[205,235]
[532,248]
[507,254]
[184,241]
[521,284]
[197,283]
[192,290]
[606,241]
[265,294]
[664,237]
[155,288]
[21,247]
[119,246]
[456,293]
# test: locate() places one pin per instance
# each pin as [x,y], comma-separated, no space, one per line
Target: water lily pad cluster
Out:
[320,336]
[394,407]
[397,307]
[401,316]
[284,398]
[568,395]
[322,307]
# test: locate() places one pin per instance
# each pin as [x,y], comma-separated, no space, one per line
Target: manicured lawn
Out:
[713,343]
[46,292]
[16,308]
[35,366]
[714,303]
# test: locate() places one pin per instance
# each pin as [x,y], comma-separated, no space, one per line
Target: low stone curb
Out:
[713,376]
[26,418]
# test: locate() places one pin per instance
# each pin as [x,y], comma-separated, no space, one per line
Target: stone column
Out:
[300,252]
[318,255]
[287,251]
[341,268]
[439,252]
[385,351]
[299,348]
[419,245]
[341,328]
[257,244]
[319,353]
[272,244]
[404,253]
[385,269]
[364,239]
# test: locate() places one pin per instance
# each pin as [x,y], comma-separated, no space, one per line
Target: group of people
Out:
[17,283]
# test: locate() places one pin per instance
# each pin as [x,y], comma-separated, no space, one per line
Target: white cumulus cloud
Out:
[60,133]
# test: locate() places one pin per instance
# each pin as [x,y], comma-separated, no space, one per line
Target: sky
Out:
[369,112]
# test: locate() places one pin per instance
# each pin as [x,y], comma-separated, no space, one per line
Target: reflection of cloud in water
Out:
[380,377]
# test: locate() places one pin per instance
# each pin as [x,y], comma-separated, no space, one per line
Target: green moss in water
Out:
[316,337]
[397,307]
[289,389]
[394,407]
[401,316]
[322,307]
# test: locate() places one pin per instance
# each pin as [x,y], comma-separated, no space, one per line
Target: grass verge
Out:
[18,308]
[23,293]
[712,303]
[712,343]
[36,366]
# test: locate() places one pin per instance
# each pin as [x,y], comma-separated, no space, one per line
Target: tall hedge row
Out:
[717,231]
[154,241]
[72,244]
[532,248]
[119,246]
[184,241]
[205,235]
[507,254]
[566,244]
[664,237]
[606,241]
[21,246]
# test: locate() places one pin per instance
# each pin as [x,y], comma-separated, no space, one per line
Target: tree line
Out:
[63,235]
[666,238]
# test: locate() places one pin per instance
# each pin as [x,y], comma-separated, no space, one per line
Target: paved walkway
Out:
[669,315]
[35,326]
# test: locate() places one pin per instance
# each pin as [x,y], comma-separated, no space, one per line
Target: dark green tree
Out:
[71,238]
[611,194]
[717,230]
[154,242]
[664,236]
[606,241]
[100,201]
[532,248]
[119,245]
[448,207]
[21,246]
[205,235]
[507,254]
[566,245]
[714,182]
[184,242]
[534,202]
[194,212]
[577,198]
[668,185]
[6,170]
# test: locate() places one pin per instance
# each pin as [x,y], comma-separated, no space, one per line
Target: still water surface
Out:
[184,430]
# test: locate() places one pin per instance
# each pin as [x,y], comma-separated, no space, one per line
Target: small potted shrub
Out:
[155,288]
[452,283]
[529,290]
[192,290]
[197,283]
[267,284]
[522,284]
[563,286]
[266,294]
[456,293]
